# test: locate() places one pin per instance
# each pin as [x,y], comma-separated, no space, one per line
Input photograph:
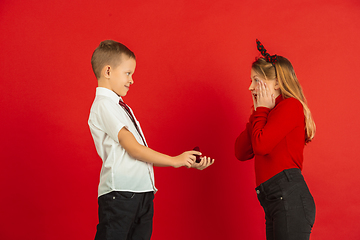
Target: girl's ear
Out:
[277,86]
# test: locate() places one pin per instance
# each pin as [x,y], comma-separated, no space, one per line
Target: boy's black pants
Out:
[125,216]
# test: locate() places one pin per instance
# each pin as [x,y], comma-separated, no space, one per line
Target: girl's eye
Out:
[128,73]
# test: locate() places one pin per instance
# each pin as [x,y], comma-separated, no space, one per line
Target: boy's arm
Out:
[140,152]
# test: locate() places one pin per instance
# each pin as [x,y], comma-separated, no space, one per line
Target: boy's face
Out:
[121,76]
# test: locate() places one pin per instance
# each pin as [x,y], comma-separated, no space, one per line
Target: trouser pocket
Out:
[309,208]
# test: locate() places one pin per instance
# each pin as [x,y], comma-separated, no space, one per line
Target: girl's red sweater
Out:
[276,137]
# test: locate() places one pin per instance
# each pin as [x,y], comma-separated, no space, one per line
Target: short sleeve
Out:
[108,117]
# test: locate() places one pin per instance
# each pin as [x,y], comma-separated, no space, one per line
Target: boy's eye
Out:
[128,73]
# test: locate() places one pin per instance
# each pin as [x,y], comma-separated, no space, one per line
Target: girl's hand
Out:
[254,101]
[265,98]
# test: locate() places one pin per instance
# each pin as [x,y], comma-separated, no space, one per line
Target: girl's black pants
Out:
[289,206]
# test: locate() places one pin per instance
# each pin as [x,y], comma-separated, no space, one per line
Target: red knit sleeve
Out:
[269,127]
[243,148]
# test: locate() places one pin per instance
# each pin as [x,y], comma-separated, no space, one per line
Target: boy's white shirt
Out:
[119,171]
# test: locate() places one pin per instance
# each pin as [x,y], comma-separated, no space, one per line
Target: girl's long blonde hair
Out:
[283,71]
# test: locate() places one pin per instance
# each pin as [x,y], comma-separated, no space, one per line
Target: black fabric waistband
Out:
[292,174]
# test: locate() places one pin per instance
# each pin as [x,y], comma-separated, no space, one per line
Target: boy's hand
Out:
[204,163]
[185,159]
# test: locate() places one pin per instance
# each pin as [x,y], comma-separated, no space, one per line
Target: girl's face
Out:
[256,78]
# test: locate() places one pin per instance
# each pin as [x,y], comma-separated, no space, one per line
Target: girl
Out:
[277,131]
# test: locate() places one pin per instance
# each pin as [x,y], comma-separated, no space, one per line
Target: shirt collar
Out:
[100,91]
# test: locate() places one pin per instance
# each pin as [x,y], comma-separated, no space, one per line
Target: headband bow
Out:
[269,58]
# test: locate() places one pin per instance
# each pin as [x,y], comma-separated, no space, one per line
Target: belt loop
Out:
[262,188]
[287,175]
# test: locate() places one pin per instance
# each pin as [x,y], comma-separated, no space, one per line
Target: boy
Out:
[127,187]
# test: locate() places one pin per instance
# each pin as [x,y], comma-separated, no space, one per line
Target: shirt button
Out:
[258,191]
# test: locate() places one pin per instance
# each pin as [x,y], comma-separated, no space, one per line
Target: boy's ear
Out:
[106,71]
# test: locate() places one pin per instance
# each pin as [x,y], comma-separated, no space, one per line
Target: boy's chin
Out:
[122,93]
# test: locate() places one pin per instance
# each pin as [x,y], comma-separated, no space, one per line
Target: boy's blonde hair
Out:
[108,53]
[283,71]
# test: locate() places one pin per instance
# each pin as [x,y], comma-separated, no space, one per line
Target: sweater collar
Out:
[279,99]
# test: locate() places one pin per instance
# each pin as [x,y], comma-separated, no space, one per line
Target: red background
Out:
[191,81]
